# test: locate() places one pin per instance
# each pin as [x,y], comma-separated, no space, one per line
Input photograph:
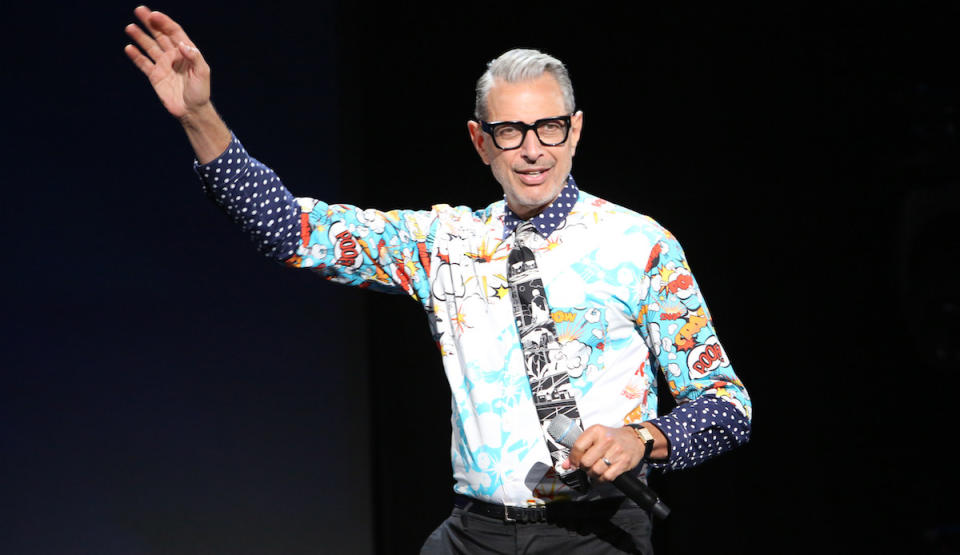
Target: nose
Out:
[530,148]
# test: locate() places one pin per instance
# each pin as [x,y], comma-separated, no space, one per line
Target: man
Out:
[550,302]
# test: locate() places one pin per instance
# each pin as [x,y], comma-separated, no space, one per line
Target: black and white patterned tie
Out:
[549,380]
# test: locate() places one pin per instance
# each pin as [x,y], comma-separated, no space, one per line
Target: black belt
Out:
[557,511]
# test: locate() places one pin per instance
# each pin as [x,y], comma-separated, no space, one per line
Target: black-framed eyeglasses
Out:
[508,135]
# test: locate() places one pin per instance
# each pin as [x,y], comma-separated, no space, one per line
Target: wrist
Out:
[208,134]
[199,116]
[645,437]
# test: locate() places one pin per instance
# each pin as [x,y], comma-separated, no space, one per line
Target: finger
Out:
[598,470]
[161,23]
[576,451]
[165,43]
[191,53]
[611,472]
[145,42]
[190,56]
[592,460]
[615,461]
[141,61]
[620,464]
[143,13]
[598,447]
[582,445]
[605,469]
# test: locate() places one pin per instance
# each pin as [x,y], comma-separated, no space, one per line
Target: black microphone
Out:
[566,432]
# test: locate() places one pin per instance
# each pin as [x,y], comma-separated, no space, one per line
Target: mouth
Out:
[533,176]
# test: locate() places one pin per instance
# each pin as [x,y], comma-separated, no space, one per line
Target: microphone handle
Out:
[645,497]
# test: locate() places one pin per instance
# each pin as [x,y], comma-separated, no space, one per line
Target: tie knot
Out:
[524,231]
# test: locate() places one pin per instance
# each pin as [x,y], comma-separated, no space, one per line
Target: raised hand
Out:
[181,78]
[172,63]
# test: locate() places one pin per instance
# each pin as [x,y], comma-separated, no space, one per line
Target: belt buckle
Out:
[506,514]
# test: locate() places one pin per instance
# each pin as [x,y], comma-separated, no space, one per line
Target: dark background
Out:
[165,390]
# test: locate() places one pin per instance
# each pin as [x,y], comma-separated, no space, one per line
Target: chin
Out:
[544,198]
[534,205]
[533,199]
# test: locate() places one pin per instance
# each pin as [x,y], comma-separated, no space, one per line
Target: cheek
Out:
[501,164]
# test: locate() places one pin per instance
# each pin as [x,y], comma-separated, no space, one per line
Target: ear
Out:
[576,125]
[478,138]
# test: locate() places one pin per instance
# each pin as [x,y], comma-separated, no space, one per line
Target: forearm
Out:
[207,133]
[661,444]
[254,197]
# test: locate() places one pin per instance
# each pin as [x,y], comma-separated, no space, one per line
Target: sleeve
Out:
[714,411]
[385,251]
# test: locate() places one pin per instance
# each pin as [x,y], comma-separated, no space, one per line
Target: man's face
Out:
[532,175]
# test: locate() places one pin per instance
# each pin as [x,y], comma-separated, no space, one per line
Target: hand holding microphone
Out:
[606,458]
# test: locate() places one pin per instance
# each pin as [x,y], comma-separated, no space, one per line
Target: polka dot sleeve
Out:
[700,430]
[252,195]
[385,251]
[713,407]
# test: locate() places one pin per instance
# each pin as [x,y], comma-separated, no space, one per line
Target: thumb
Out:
[191,53]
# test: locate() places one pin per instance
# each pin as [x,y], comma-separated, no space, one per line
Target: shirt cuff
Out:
[700,430]
[217,175]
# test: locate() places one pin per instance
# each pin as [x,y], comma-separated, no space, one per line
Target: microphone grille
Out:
[564,430]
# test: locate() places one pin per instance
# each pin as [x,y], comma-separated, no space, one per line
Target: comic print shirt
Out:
[622,295]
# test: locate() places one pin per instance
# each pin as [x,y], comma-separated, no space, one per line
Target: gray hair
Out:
[518,65]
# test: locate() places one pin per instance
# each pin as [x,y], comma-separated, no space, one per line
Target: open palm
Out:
[170,60]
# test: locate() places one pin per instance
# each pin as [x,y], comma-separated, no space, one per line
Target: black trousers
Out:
[627,531]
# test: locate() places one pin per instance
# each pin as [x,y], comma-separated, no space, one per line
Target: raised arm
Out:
[181,78]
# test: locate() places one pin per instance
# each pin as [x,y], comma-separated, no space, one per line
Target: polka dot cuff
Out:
[700,430]
[253,196]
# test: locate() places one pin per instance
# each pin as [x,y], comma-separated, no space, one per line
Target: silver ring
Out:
[606,461]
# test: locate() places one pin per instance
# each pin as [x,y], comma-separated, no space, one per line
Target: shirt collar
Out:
[551,217]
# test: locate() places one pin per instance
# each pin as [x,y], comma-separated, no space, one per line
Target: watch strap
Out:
[646,437]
